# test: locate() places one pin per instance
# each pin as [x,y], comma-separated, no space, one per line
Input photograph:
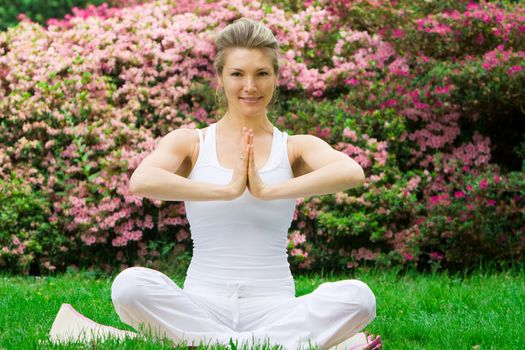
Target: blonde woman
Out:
[239,178]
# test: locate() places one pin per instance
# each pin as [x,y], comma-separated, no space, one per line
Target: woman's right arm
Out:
[155,176]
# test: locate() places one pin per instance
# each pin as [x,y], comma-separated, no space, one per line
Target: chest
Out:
[228,153]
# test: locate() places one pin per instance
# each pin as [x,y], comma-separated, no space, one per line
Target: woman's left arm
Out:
[332,171]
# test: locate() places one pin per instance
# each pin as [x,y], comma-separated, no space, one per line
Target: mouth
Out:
[251,100]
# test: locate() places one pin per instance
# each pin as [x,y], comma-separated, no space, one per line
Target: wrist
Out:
[230,193]
[223,193]
[268,192]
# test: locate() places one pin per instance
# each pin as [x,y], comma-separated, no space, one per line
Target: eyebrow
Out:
[259,69]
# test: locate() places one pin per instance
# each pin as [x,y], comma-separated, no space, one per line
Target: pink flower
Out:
[408,256]
[459,194]
[352,81]
[442,90]
[351,265]
[479,39]
[483,184]
[88,240]
[413,183]
[363,253]
[436,256]
[398,33]
[182,235]
[496,179]
[491,202]
[515,69]
[298,252]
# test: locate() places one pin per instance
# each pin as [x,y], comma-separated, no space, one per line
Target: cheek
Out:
[232,88]
[270,91]
[229,90]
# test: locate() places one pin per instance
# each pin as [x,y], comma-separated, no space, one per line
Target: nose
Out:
[250,85]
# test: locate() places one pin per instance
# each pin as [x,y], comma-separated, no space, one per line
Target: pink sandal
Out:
[360,341]
[373,343]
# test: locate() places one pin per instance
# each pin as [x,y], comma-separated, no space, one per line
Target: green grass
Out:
[414,311]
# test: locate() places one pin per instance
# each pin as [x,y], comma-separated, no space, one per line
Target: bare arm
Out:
[155,176]
[331,171]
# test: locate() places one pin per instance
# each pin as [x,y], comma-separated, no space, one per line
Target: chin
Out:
[252,109]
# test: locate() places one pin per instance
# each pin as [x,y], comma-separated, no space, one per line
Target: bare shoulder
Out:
[173,151]
[299,142]
[183,138]
[312,153]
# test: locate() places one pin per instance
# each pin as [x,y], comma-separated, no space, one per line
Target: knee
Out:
[128,286]
[365,298]
[361,297]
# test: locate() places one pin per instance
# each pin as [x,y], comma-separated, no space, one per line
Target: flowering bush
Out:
[13,11]
[473,218]
[85,99]
[28,241]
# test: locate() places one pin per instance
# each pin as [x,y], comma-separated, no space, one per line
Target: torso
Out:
[227,151]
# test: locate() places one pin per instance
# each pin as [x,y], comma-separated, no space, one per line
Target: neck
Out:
[233,123]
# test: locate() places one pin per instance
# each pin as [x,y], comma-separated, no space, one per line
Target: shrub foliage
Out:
[426,96]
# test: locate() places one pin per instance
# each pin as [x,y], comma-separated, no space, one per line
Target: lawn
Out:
[482,310]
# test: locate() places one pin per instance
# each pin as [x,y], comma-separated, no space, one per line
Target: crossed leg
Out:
[330,315]
[333,313]
[150,301]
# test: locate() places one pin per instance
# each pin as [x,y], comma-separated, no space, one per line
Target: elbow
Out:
[134,183]
[357,177]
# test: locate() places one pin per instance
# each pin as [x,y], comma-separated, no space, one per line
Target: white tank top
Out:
[241,242]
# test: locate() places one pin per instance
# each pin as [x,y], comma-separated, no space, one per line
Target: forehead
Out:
[247,59]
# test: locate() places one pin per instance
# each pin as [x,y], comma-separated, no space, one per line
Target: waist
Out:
[250,244]
[240,287]
[226,265]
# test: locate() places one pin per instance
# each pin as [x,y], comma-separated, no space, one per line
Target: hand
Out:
[239,180]
[255,184]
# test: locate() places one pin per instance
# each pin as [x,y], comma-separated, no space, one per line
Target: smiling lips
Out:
[251,100]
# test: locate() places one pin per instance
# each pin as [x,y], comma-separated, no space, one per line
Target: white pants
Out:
[332,313]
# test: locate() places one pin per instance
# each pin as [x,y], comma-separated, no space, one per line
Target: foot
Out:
[69,325]
[373,342]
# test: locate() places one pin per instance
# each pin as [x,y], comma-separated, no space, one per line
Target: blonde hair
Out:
[249,34]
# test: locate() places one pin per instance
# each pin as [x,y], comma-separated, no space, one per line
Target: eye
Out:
[236,74]
[264,73]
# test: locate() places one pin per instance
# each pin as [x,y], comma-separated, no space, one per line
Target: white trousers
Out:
[147,299]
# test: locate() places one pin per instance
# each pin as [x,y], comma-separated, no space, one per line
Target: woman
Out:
[239,178]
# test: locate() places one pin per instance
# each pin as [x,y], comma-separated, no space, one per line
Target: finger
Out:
[252,162]
[246,142]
